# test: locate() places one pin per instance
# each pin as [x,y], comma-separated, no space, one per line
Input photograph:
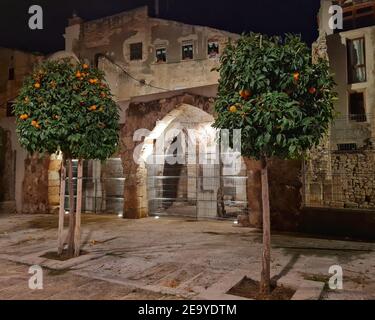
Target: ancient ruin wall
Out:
[349,184]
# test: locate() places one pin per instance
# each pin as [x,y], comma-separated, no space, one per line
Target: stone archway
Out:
[198,188]
[170,161]
[148,112]
[146,115]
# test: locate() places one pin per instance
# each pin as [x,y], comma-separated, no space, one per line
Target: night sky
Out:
[266,16]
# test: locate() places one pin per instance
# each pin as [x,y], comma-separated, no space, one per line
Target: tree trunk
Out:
[77,229]
[71,211]
[220,192]
[62,207]
[266,253]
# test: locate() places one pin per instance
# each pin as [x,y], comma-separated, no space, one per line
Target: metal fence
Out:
[196,191]
[103,186]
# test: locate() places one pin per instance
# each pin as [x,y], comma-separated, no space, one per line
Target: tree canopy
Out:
[68,107]
[270,89]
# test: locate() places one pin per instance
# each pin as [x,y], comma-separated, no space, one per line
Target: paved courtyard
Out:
[168,259]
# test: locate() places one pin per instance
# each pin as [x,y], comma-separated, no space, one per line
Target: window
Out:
[213,49]
[161,55]
[136,51]
[347,147]
[357,107]
[187,50]
[11,74]
[10,109]
[356,60]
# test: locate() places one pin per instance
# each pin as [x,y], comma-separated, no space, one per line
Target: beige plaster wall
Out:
[113,35]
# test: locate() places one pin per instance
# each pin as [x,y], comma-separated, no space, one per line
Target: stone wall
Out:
[22,63]
[35,185]
[349,181]
[7,170]
[285,188]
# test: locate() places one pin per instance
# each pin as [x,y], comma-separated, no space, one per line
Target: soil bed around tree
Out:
[249,288]
[63,257]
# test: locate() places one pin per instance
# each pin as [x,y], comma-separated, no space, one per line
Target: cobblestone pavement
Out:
[168,258]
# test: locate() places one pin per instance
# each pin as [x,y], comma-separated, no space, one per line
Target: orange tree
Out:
[67,107]
[282,102]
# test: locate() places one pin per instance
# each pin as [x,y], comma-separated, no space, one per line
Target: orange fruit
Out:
[37,85]
[296,76]
[78,74]
[245,94]
[233,109]
[34,123]
[93,108]
[85,66]
[24,116]
[312,90]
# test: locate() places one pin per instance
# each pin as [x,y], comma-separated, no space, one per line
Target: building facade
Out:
[14,66]
[157,55]
[341,174]
[161,74]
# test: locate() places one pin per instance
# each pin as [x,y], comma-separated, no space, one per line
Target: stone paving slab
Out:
[309,290]
[172,258]
[68,286]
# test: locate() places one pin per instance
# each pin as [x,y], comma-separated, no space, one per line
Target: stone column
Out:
[54,183]
[35,184]
[254,192]
[135,193]
[135,174]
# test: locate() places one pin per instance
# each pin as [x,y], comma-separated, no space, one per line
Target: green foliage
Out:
[270,89]
[68,107]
